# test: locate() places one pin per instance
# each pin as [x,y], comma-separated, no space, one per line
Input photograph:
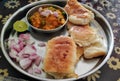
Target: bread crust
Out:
[96,49]
[60,57]
[78,14]
[80,52]
[83,35]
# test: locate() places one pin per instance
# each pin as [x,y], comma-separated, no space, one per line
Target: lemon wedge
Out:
[20,26]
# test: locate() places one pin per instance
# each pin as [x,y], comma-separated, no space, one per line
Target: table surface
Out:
[110,9]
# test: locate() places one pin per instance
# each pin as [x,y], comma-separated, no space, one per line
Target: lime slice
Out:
[20,26]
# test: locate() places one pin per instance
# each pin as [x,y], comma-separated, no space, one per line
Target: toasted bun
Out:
[95,50]
[60,58]
[78,14]
[70,25]
[81,20]
[83,35]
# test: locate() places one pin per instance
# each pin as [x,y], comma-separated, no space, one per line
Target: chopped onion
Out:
[55,14]
[46,13]
[25,63]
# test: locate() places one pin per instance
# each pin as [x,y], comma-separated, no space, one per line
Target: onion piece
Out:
[56,14]
[25,63]
[46,13]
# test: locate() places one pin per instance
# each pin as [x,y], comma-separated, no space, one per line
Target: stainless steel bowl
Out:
[35,8]
[83,68]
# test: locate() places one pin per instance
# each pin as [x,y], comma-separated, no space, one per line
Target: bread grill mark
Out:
[71,2]
[72,8]
[61,49]
[63,42]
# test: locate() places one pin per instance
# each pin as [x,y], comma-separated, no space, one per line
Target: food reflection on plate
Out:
[60,54]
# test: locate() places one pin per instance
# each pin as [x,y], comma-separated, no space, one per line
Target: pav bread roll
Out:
[83,35]
[97,49]
[78,14]
[80,52]
[60,58]
[70,25]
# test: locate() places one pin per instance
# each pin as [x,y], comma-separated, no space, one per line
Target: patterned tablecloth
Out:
[111,11]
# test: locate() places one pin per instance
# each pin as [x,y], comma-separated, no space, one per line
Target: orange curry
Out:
[47,18]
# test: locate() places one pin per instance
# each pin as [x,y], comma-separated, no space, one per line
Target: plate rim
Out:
[40,78]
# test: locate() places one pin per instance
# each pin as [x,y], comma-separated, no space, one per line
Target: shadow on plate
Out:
[47,36]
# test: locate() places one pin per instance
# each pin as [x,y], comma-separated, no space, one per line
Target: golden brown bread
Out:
[96,49]
[60,58]
[70,25]
[78,14]
[83,35]
[88,38]
[80,52]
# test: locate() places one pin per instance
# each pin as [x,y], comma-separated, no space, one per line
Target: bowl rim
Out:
[40,78]
[42,30]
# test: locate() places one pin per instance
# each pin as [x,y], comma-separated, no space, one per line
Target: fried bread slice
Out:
[61,57]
